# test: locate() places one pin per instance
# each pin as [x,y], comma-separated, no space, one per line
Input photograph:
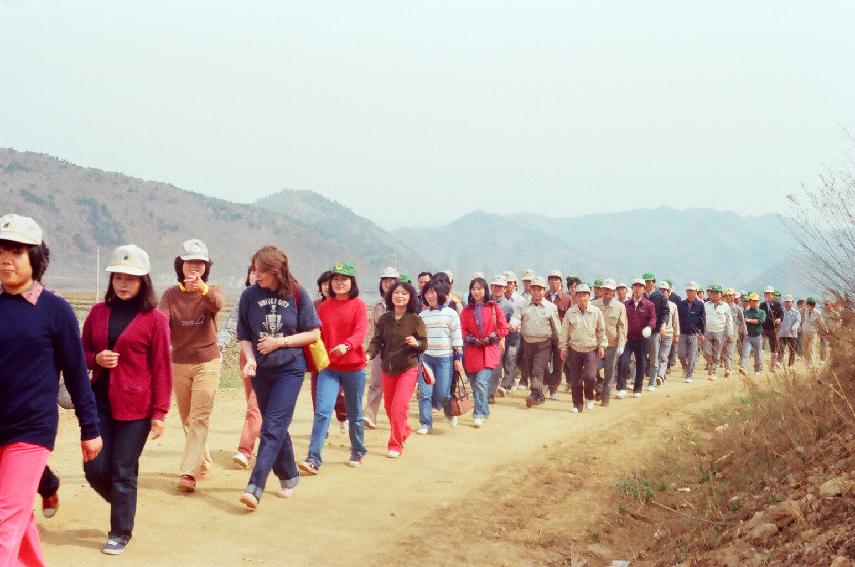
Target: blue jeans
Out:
[438,394]
[276,393]
[114,472]
[638,347]
[752,345]
[480,382]
[353,385]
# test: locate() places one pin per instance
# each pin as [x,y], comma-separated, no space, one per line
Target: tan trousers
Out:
[195,388]
[808,340]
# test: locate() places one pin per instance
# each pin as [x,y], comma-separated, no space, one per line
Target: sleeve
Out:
[621,328]
[376,313]
[229,331]
[357,337]
[556,322]
[602,339]
[501,322]
[651,319]
[88,341]
[762,317]
[516,318]
[72,363]
[307,318]
[163,304]
[160,363]
[729,327]
[675,322]
[564,335]
[798,321]
[454,326]
[243,328]
[214,299]
[375,347]
[420,332]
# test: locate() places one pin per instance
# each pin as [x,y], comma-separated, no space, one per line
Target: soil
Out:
[531,488]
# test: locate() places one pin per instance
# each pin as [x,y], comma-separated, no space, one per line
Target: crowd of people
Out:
[505,335]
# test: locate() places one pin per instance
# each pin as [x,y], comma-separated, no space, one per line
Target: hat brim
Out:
[130,270]
[188,257]
[19,238]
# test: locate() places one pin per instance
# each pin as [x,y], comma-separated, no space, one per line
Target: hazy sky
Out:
[413,113]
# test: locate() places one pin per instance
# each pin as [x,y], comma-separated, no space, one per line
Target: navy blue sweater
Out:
[693,318]
[36,343]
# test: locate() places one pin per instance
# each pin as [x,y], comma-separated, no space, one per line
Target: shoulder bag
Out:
[316,353]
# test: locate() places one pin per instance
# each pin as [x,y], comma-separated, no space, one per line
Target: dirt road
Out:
[463,496]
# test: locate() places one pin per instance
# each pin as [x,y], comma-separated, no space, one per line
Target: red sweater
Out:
[344,322]
[141,385]
[477,358]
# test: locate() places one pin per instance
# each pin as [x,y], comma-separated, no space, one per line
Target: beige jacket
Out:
[583,332]
[672,323]
[537,322]
[615,317]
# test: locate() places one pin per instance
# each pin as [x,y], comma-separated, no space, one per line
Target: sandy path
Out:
[492,487]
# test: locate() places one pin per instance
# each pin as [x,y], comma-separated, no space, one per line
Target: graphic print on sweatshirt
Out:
[272,325]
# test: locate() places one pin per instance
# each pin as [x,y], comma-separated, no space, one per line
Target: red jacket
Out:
[475,357]
[141,385]
[637,319]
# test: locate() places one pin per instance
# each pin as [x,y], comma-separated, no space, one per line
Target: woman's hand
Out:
[91,448]
[248,370]
[266,345]
[194,284]
[156,428]
[339,350]
[107,359]
[411,341]
[459,367]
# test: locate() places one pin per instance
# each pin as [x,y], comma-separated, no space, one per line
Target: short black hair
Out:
[483,283]
[354,289]
[441,289]
[179,269]
[380,285]
[248,272]
[412,304]
[146,298]
[322,279]
[38,254]
[422,274]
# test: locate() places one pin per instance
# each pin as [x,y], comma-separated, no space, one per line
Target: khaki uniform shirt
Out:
[615,317]
[583,331]
[537,322]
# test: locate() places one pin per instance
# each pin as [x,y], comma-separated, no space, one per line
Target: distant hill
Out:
[698,244]
[339,224]
[83,209]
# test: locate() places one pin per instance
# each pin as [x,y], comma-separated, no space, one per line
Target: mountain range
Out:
[84,210]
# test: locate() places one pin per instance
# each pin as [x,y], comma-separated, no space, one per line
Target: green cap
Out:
[344,269]
[811,300]
[405,278]
[648,276]
[598,283]
[715,287]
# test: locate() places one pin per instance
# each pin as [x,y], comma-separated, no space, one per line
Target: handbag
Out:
[316,354]
[425,372]
[461,402]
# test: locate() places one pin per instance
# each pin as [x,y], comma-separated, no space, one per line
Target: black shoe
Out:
[491,400]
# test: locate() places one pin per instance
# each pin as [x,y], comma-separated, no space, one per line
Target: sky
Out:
[413,113]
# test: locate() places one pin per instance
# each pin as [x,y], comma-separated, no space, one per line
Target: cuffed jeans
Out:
[114,472]
[639,348]
[510,360]
[687,351]
[276,392]
[330,382]
[438,394]
[664,352]
[480,382]
[752,345]
[195,387]
[604,386]
[21,466]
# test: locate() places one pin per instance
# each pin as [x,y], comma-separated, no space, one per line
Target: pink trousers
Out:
[397,393]
[251,422]
[21,467]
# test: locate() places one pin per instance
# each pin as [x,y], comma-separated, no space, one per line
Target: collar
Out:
[31,295]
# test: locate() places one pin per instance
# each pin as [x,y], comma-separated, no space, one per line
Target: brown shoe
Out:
[529,402]
[186,483]
[50,505]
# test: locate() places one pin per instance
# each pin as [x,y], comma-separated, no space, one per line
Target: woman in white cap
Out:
[192,308]
[388,277]
[126,341]
[41,338]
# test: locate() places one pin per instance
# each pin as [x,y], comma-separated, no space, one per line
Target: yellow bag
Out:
[316,356]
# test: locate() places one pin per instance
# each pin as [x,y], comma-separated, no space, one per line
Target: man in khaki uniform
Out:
[614,315]
[538,323]
[582,342]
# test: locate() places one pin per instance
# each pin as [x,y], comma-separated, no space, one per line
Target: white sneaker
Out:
[620,394]
[757,373]
[522,387]
[452,421]
[422,430]
[589,405]
[477,422]
[651,388]
[285,492]
[554,397]
[369,423]
[501,392]
[574,409]
[513,388]
[240,460]
[393,454]
[688,380]
[636,395]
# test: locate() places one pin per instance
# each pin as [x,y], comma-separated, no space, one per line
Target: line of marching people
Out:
[136,350]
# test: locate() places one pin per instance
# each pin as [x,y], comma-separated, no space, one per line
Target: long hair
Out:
[178,264]
[483,283]
[272,259]
[412,304]
[322,279]
[248,273]
[146,297]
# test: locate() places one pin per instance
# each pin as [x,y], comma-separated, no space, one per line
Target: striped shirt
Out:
[443,331]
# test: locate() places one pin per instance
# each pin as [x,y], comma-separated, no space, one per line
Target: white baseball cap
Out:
[693,286]
[621,284]
[528,275]
[499,279]
[478,275]
[769,289]
[609,284]
[638,281]
[664,285]
[583,288]
[16,228]
[129,259]
[389,272]
[788,298]
[556,274]
[539,281]
[510,276]
[195,249]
